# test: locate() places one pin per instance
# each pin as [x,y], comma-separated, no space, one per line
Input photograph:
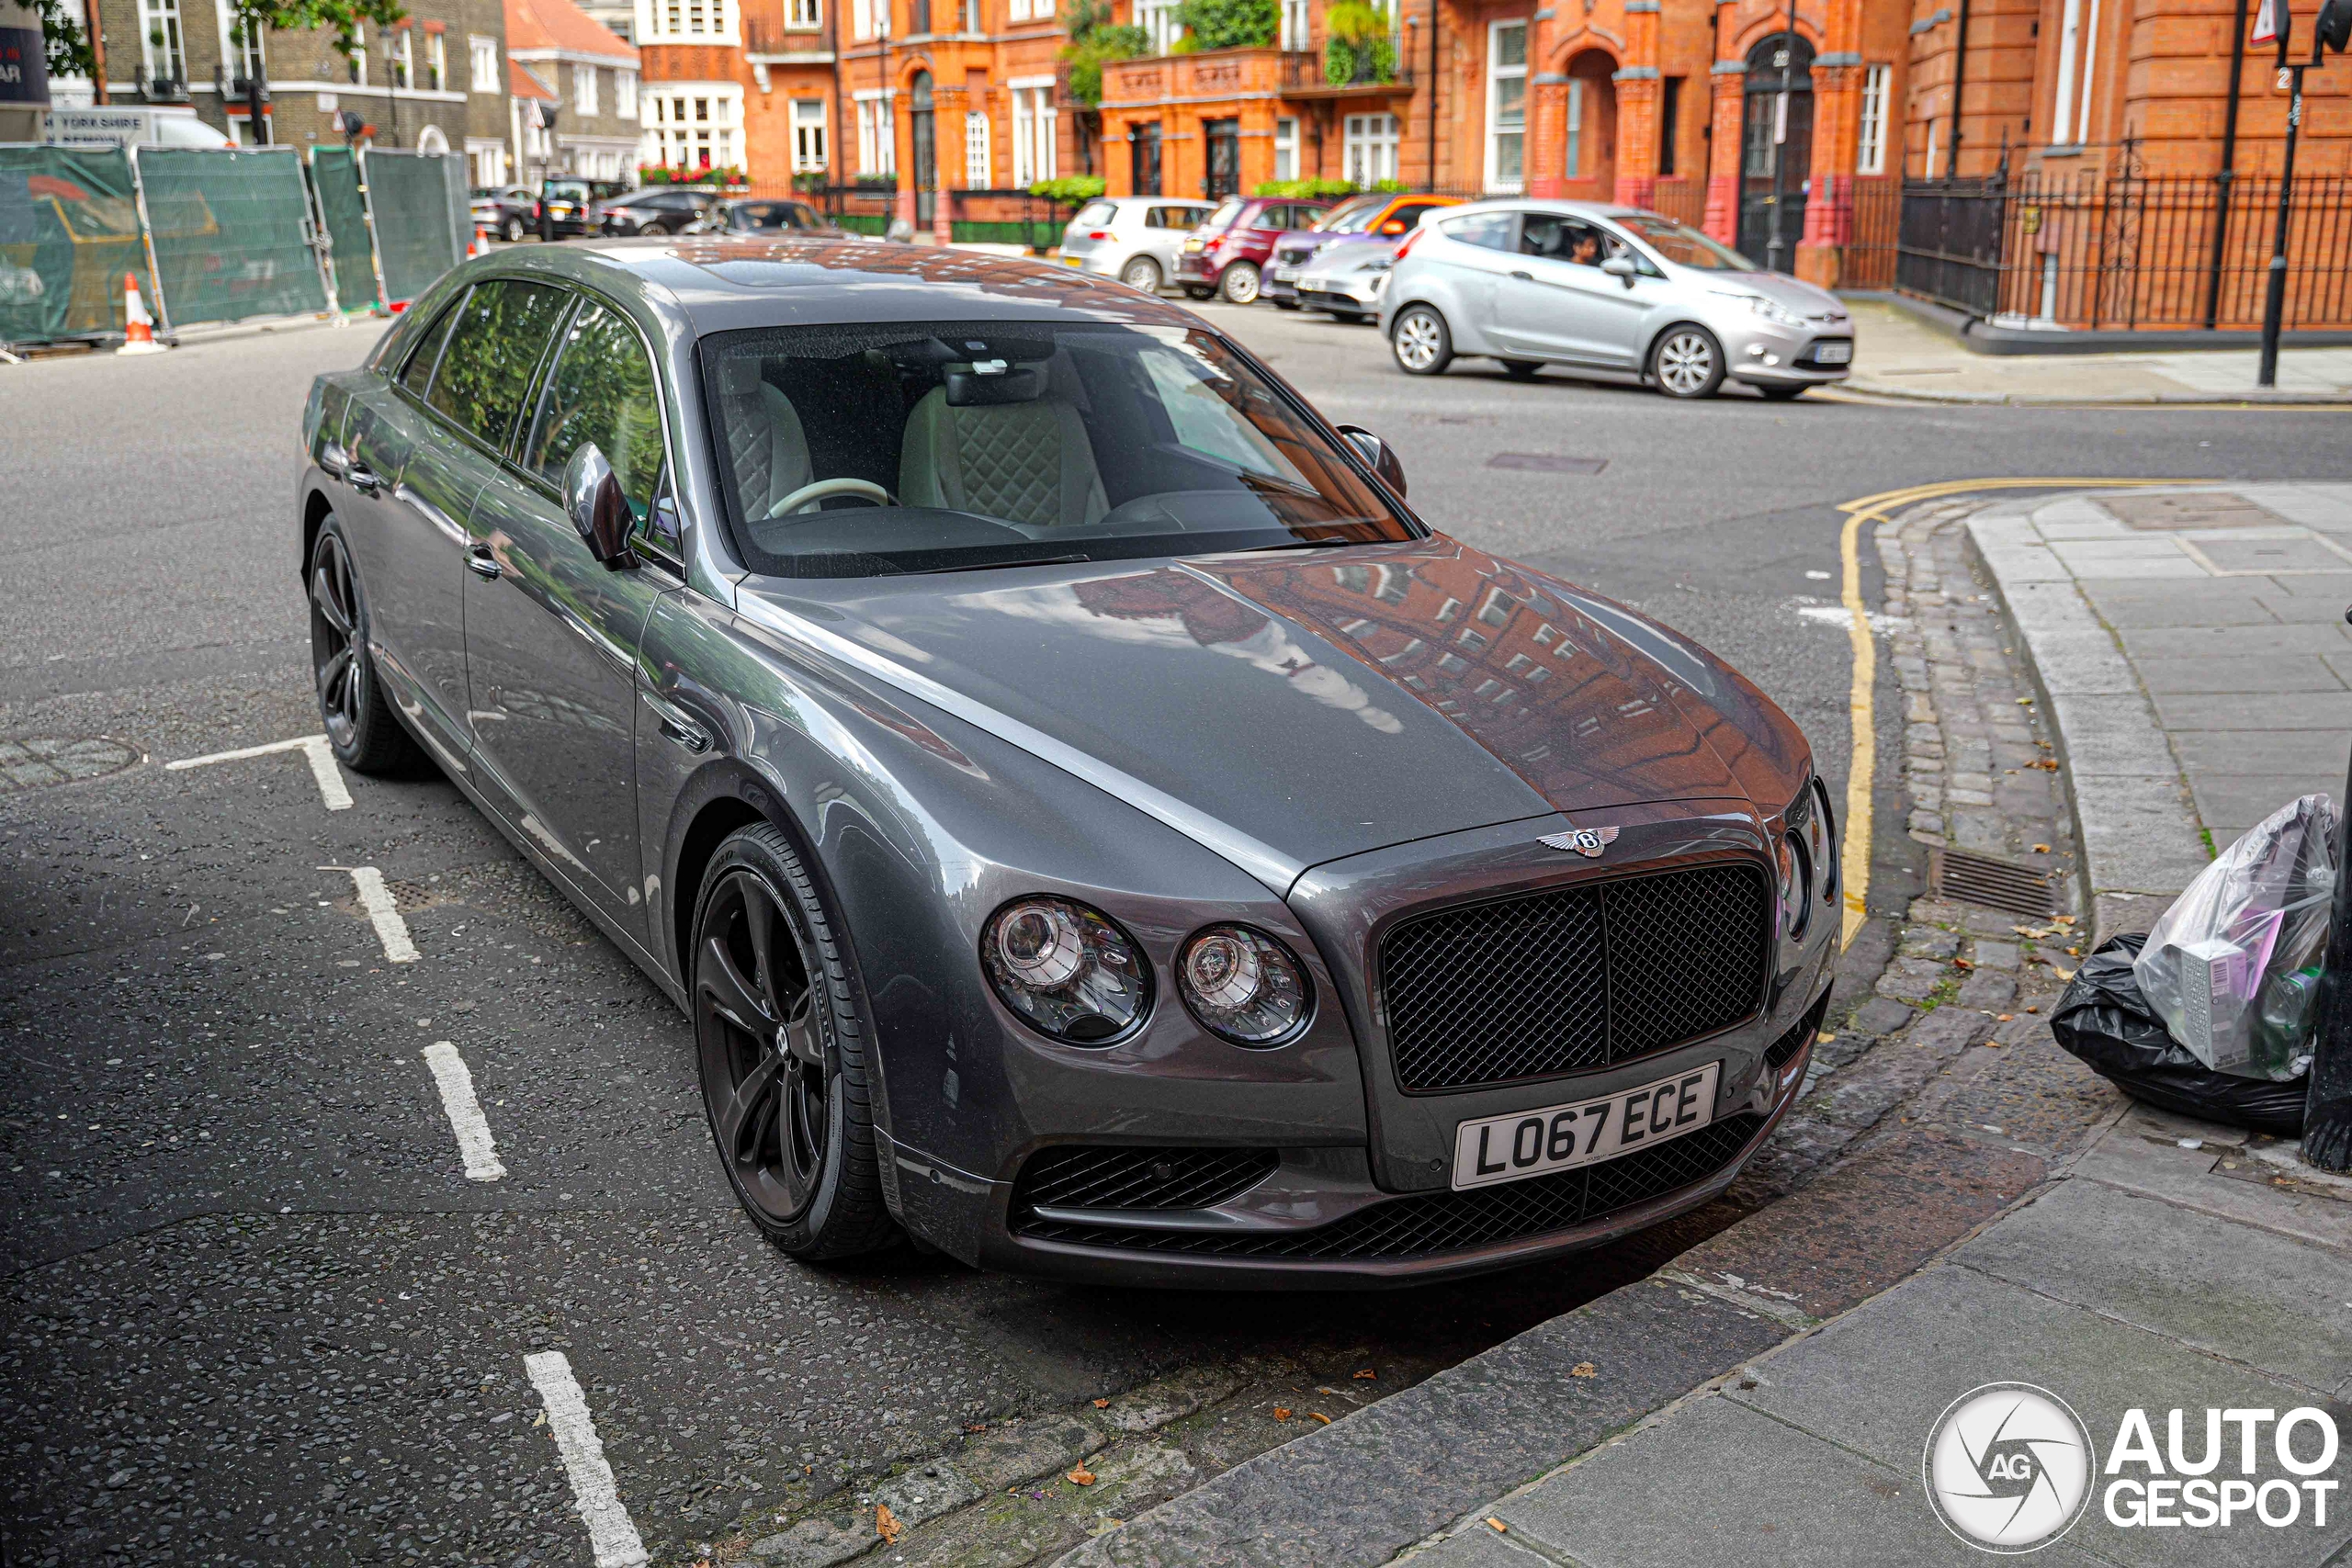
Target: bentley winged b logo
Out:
[1586,841]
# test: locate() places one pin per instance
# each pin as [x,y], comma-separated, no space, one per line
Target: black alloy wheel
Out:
[362,727]
[782,1047]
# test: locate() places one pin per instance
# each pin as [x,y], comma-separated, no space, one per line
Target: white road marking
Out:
[475,1145]
[612,1536]
[314,748]
[382,913]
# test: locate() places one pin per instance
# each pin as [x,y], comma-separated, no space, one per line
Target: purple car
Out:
[1374,214]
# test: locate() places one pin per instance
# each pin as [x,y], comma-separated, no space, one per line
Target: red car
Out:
[1227,253]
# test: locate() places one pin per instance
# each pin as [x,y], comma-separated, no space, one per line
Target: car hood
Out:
[1782,290]
[1312,705]
[1343,253]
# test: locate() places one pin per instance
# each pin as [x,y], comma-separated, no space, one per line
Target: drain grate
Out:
[33,761]
[1996,884]
[1546,463]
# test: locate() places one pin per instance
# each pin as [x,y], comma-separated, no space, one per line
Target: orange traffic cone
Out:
[480,247]
[138,329]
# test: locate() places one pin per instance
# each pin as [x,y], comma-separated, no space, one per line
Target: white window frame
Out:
[1158,19]
[1297,30]
[169,58]
[694,125]
[805,15]
[437,62]
[403,60]
[1032,130]
[357,59]
[861,18]
[877,133]
[1016,10]
[1286,147]
[979,172]
[247,58]
[625,95]
[1871,154]
[808,138]
[1496,134]
[481,58]
[1574,161]
[1368,147]
[584,96]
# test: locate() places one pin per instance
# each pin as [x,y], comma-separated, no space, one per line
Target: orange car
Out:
[1375,215]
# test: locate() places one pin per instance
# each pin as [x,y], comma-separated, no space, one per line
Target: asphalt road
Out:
[250,1308]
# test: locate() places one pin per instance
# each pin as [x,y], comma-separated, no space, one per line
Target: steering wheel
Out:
[864,490]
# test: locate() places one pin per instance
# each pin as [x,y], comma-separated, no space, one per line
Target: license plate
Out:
[1561,1138]
[1192,245]
[1285,273]
[1833,353]
[1073,261]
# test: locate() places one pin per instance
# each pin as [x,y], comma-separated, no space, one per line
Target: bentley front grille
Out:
[1580,977]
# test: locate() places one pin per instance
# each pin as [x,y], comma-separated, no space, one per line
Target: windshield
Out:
[860,451]
[1351,216]
[1686,246]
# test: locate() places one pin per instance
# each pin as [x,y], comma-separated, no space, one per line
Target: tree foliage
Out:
[1231,24]
[1095,41]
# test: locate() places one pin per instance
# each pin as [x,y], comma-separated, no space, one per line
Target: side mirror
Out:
[1620,267]
[1377,453]
[592,499]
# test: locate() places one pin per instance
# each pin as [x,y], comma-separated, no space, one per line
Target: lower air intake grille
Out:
[1781,1052]
[1456,1221]
[1088,1177]
[1580,978]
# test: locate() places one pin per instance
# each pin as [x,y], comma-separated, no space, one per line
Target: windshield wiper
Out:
[993,565]
[1310,545]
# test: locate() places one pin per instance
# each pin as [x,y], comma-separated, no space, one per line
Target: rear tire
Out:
[1239,283]
[1687,362]
[513,230]
[1141,273]
[785,1052]
[363,727]
[1522,369]
[1420,341]
[1285,304]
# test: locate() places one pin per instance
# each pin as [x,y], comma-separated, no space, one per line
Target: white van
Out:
[107,125]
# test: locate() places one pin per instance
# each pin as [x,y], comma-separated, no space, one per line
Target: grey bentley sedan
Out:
[1094,827]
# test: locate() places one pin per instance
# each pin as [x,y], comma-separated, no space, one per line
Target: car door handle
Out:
[688,735]
[482,563]
[1524,277]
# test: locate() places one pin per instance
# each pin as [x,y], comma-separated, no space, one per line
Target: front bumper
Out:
[1348,292]
[1785,356]
[1195,266]
[1319,1223]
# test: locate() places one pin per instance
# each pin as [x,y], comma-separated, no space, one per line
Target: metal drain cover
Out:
[36,760]
[1546,463]
[1996,884]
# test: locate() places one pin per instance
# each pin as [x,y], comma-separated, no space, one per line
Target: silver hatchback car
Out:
[1132,238]
[1611,289]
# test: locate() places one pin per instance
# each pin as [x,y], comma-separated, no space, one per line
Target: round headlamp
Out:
[1243,985]
[1067,970]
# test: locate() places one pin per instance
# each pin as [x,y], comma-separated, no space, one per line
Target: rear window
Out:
[1490,231]
[1097,212]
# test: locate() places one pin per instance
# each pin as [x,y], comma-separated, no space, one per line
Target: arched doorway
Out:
[1776,132]
[926,140]
[1588,162]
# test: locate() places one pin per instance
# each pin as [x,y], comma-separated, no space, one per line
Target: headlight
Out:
[1796,882]
[1772,311]
[1377,264]
[1066,969]
[1243,985]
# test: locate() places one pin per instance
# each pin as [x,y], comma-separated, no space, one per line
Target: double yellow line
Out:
[1854,863]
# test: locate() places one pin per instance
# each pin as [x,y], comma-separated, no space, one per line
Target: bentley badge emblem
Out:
[1586,841]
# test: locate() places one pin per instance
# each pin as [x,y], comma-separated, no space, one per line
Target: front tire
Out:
[1420,340]
[1239,283]
[1687,363]
[362,727]
[785,1052]
[1141,273]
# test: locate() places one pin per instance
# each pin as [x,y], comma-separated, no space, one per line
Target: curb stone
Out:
[2254,397]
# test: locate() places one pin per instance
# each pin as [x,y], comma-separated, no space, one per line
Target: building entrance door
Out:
[1776,132]
[1224,179]
[1143,160]
[926,143]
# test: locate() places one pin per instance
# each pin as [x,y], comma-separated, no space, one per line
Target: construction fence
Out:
[214,236]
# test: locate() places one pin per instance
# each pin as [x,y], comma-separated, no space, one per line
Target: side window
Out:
[501,334]
[417,375]
[601,390]
[1489,231]
[1409,215]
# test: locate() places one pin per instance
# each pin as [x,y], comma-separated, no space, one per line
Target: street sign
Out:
[2266,23]
[24,68]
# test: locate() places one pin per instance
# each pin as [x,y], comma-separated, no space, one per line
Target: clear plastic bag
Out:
[2232,968]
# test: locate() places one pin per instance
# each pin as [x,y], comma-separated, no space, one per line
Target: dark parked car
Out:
[1373,214]
[507,211]
[1091,823]
[656,210]
[1226,255]
[572,206]
[765,216]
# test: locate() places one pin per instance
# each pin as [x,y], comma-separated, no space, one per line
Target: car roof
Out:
[1561,205]
[724,283]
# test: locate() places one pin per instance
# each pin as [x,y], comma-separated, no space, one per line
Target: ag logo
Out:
[1586,841]
[2009,1467]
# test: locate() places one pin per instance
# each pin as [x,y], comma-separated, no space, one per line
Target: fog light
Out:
[1754,349]
[1771,359]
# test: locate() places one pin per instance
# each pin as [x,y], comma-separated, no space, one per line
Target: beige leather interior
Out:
[1025,462]
[770,450]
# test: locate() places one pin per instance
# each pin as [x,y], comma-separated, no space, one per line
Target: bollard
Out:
[2327,1113]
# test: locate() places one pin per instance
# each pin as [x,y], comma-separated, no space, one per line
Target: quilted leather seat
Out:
[1025,462]
[770,450]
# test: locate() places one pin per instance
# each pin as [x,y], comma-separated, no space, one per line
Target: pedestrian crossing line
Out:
[383,913]
[475,1145]
[612,1534]
[315,750]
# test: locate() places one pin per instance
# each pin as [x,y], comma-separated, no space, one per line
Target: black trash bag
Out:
[2104,1019]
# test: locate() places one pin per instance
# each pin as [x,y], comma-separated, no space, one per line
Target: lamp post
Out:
[2333,30]
[1773,247]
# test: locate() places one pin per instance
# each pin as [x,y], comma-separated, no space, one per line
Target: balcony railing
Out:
[1307,73]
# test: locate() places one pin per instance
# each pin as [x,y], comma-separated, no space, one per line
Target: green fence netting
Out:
[417,207]
[334,179]
[69,231]
[231,234]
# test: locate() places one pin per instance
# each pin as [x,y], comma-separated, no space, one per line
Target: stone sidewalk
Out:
[1898,355]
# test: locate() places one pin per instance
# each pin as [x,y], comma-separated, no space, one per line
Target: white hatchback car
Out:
[1605,288]
[1132,238]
